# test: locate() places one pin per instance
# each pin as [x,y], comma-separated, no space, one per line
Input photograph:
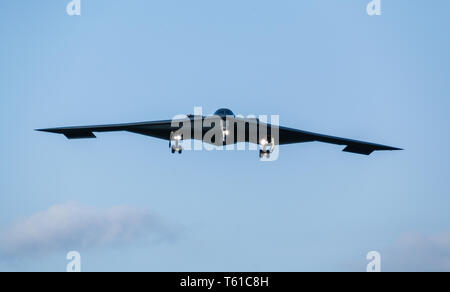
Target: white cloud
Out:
[74,226]
[421,253]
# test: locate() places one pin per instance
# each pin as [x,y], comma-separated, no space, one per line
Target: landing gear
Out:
[174,143]
[176,150]
[225,130]
[264,154]
[267,148]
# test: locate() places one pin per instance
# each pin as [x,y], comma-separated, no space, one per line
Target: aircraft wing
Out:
[158,129]
[290,136]
[163,130]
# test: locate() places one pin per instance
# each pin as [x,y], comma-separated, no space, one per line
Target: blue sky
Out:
[323,66]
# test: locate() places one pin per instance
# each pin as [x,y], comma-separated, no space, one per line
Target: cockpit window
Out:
[223,112]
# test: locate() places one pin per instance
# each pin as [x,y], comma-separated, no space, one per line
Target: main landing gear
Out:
[267,148]
[174,143]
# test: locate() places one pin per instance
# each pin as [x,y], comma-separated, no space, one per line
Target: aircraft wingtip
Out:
[44,130]
[397,149]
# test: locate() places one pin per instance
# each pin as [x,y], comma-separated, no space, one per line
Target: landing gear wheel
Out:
[264,154]
[174,143]
[267,148]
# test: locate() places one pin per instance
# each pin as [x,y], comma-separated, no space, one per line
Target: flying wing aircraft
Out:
[232,130]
